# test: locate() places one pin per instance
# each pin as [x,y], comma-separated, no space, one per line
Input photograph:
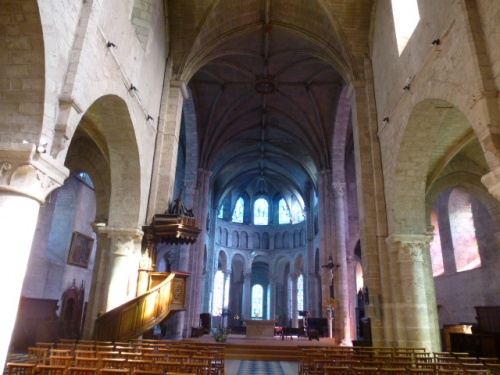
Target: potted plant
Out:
[221,333]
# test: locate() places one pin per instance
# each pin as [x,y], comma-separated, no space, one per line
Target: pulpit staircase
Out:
[166,296]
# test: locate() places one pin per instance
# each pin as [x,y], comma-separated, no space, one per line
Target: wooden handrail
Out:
[142,313]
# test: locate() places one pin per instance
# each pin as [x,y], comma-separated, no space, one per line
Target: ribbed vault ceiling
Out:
[265,77]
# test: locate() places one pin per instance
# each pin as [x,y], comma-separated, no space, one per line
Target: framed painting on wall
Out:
[80,250]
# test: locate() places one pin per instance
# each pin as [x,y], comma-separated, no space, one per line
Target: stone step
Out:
[262,352]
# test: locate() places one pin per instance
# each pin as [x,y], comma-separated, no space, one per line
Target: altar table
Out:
[260,329]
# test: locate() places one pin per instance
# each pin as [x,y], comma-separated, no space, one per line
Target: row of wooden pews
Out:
[137,357]
[385,361]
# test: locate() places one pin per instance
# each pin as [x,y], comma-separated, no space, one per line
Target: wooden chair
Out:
[336,370]
[117,363]
[113,371]
[89,347]
[51,369]
[38,356]
[108,354]
[15,368]
[364,370]
[61,352]
[419,371]
[391,371]
[140,364]
[493,367]
[60,360]
[86,353]
[443,371]
[168,367]
[82,370]
[87,362]
[48,345]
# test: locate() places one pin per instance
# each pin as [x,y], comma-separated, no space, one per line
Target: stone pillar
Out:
[167,146]
[342,319]
[225,303]
[295,314]
[115,276]
[272,298]
[26,178]
[195,281]
[247,296]
[325,230]
[413,284]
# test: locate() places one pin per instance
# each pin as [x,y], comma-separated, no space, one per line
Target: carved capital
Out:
[338,189]
[410,247]
[124,241]
[24,171]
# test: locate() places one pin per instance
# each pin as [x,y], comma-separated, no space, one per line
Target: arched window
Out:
[300,293]
[239,209]
[257,301]
[218,299]
[261,212]
[435,247]
[463,231]
[284,212]
[297,212]
[406,17]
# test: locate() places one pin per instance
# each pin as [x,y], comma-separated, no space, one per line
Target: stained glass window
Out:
[297,213]
[239,209]
[284,212]
[300,293]
[221,212]
[257,305]
[218,299]
[261,212]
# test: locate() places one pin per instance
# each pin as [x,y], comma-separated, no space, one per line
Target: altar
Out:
[260,329]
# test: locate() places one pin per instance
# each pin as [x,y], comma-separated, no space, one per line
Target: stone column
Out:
[26,178]
[342,319]
[272,299]
[225,303]
[325,230]
[247,296]
[167,146]
[195,281]
[417,310]
[295,314]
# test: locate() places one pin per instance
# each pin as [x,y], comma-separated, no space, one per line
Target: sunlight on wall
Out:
[463,231]
[406,17]
[435,247]
[18,216]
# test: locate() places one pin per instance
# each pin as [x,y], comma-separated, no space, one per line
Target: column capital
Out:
[25,171]
[338,189]
[124,241]
[410,247]
[181,85]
